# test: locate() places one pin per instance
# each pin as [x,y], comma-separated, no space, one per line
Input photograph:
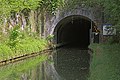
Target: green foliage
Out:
[15,36]
[110,9]
[50,37]
[29,45]
[6,6]
[16,5]
[5,52]
[9,9]
[114,39]
[105,62]
[21,47]
[51,5]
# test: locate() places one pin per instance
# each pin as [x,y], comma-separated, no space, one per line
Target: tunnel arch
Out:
[73,30]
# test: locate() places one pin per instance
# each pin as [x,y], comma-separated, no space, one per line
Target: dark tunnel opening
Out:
[74,31]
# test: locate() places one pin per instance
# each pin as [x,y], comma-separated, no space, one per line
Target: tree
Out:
[22,6]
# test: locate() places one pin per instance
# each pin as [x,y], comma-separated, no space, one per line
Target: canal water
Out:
[66,63]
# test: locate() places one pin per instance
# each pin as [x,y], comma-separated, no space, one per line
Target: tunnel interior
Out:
[73,31]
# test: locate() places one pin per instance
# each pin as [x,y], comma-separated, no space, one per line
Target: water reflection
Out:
[69,64]
[62,64]
[72,64]
[29,69]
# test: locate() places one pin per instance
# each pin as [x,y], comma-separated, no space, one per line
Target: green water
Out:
[68,64]
[21,70]
[61,64]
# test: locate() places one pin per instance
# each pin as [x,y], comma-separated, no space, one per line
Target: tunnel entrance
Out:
[74,31]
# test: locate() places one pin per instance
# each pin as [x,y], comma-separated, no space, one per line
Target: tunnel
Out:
[73,31]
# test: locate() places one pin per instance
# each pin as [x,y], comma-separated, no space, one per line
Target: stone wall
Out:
[52,20]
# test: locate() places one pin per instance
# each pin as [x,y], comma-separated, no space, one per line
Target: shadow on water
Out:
[68,64]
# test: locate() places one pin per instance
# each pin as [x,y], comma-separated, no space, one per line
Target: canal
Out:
[66,63]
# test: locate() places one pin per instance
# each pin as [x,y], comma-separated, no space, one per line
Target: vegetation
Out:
[19,43]
[110,12]
[26,46]
[22,21]
[17,6]
[105,62]
[28,14]
[22,25]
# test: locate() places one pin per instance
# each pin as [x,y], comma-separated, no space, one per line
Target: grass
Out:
[25,46]
[17,42]
[105,63]
[16,70]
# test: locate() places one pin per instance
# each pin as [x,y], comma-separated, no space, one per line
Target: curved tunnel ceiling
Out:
[74,30]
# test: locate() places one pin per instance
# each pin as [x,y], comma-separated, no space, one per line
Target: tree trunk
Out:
[42,24]
[32,21]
